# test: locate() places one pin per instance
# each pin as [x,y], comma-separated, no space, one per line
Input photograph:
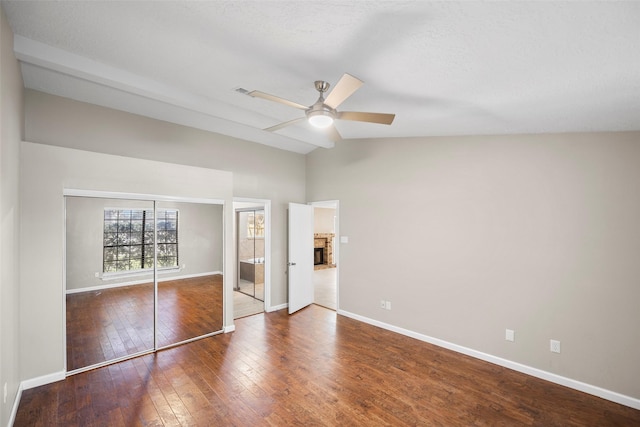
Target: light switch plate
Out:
[344,239]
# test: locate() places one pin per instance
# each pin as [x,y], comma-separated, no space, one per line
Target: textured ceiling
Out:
[444,68]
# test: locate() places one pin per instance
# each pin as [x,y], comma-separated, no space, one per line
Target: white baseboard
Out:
[229,328]
[140,282]
[14,408]
[277,307]
[45,379]
[32,383]
[534,372]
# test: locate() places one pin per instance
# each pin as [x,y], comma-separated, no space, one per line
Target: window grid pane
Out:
[128,239]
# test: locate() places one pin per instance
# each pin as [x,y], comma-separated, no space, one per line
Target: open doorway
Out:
[326,251]
[252,284]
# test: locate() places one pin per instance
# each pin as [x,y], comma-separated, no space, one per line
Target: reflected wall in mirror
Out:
[109,280]
[190,265]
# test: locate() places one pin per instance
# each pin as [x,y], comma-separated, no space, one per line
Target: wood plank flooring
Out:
[111,323]
[313,368]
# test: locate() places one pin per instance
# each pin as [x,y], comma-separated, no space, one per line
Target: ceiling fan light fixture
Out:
[320,118]
[323,113]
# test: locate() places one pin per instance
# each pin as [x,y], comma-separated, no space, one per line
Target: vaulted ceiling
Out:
[444,68]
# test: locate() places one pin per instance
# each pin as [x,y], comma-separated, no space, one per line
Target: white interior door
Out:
[300,256]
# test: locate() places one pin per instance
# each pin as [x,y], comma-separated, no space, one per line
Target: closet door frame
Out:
[154,198]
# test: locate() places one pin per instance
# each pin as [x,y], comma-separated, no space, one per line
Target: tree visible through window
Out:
[128,239]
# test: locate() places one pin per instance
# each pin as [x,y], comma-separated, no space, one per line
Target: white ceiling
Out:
[444,68]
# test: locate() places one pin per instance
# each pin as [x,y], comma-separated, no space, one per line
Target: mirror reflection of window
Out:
[128,239]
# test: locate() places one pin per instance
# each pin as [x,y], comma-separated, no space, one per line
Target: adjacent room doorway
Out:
[252,241]
[326,253]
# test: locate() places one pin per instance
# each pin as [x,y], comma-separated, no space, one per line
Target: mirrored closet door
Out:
[141,275]
[109,280]
[190,264]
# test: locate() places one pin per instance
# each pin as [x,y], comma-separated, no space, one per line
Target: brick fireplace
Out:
[325,242]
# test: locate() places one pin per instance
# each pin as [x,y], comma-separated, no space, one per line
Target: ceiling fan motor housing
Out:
[321,86]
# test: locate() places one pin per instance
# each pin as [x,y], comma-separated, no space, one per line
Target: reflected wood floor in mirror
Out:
[111,323]
[311,368]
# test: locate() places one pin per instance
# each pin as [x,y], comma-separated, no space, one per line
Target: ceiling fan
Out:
[323,113]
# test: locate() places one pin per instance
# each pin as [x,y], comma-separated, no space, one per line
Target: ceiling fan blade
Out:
[258,94]
[334,135]
[358,116]
[284,124]
[342,90]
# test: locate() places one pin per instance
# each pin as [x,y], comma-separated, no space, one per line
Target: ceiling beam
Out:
[214,115]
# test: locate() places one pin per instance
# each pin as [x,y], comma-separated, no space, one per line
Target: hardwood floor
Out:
[313,368]
[111,323]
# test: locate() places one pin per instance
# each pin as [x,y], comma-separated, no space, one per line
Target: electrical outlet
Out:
[554,346]
[388,305]
[509,335]
[383,304]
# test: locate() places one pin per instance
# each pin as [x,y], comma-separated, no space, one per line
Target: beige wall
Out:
[323,220]
[200,242]
[258,171]
[467,236]
[45,171]
[11,133]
